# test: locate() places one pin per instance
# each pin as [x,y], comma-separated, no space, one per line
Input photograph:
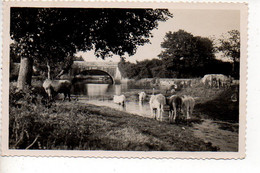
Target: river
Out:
[102,94]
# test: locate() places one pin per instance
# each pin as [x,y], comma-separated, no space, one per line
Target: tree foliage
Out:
[55,33]
[143,69]
[230,46]
[184,54]
[157,68]
[52,34]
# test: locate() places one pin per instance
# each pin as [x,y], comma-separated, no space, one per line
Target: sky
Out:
[205,23]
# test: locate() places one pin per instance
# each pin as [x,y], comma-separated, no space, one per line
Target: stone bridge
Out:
[109,68]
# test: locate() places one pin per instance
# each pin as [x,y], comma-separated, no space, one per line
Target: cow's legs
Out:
[65,95]
[188,110]
[151,112]
[183,110]
[170,115]
[69,96]
[191,109]
[175,113]
[159,114]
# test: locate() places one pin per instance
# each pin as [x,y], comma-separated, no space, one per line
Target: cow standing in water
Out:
[157,103]
[142,96]
[120,100]
[53,87]
[175,103]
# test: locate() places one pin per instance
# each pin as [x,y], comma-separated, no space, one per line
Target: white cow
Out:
[216,80]
[188,104]
[119,99]
[142,96]
[157,103]
[207,80]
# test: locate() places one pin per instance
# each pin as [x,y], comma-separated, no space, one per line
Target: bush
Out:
[43,128]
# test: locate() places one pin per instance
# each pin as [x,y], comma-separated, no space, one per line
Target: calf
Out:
[188,104]
[157,103]
[175,103]
[53,87]
[119,99]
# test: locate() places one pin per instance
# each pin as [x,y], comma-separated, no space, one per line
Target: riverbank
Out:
[77,126]
[37,124]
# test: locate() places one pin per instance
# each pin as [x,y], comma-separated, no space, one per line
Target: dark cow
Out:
[53,87]
[175,103]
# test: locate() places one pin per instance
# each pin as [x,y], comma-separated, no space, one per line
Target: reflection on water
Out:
[90,89]
[97,94]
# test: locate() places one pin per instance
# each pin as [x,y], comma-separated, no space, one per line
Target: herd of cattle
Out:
[217,80]
[178,104]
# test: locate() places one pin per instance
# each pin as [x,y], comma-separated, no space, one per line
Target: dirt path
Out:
[220,134]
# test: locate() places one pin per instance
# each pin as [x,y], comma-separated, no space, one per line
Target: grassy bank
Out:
[214,103]
[78,126]
[37,124]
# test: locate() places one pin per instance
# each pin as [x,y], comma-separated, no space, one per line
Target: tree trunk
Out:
[49,70]
[25,73]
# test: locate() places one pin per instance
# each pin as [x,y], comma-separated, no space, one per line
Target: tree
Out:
[186,55]
[230,46]
[50,35]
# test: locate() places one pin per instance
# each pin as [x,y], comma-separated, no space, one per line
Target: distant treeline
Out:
[158,68]
[184,55]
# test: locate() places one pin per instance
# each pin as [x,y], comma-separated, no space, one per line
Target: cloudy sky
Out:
[205,23]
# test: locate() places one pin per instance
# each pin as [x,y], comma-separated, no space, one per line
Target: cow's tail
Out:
[178,103]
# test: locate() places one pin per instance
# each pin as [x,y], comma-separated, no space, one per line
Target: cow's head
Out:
[48,90]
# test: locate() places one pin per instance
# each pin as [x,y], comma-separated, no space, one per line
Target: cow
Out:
[224,81]
[119,99]
[216,80]
[207,80]
[187,106]
[157,103]
[175,103]
[53,87]
[142,96]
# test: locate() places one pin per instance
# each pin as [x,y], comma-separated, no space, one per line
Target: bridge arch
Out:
[109,68]
[96,72]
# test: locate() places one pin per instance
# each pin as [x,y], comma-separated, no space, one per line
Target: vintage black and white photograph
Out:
[124,79]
